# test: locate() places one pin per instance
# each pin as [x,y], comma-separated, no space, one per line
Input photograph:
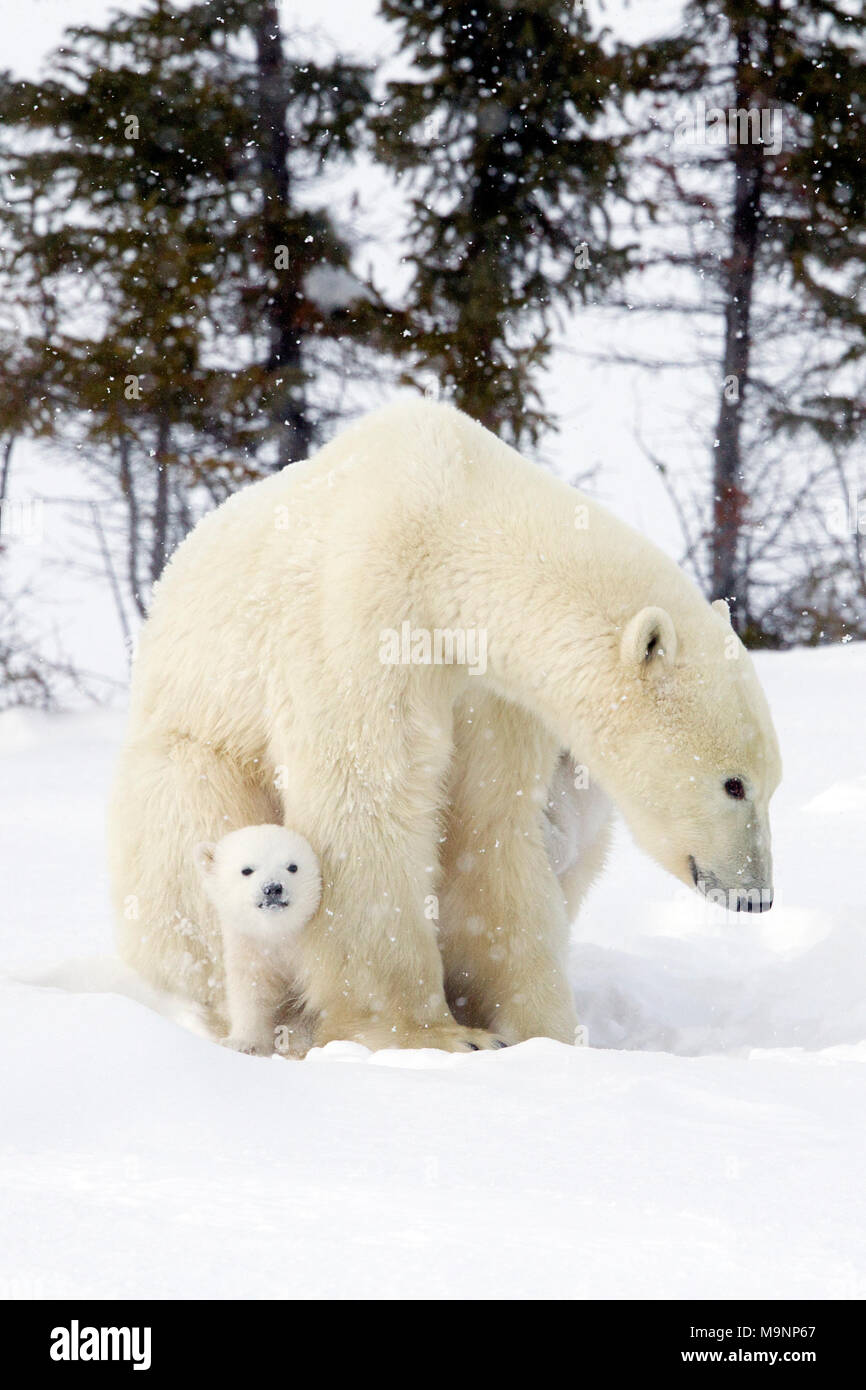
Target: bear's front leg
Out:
[373,972]
[504,927]
[370,966]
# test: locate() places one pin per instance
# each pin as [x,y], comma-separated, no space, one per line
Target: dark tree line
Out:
[159,252]
[181,298]
[775,234]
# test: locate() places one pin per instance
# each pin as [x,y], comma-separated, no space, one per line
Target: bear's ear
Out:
[720,606]
[203,854]
[649,641]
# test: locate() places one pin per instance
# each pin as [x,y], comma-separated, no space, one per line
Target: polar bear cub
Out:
[265,883]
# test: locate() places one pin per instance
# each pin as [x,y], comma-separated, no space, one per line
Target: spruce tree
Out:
[501,133]
[159,258]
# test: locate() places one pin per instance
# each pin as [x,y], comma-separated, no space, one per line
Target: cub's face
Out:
[262,879]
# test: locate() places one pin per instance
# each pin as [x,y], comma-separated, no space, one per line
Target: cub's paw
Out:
[253,1047]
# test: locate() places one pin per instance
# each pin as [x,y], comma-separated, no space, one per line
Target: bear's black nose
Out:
[755,900]
[273,890]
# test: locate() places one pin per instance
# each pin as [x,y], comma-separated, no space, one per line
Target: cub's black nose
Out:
[273,890]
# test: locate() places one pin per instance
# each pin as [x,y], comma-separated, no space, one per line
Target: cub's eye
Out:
[293,868]
[735,788]
[246,871]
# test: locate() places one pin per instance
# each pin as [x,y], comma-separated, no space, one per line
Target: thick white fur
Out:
[265,886]
[577,826]
[259,696]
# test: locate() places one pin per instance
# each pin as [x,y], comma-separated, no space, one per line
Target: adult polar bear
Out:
[260,694]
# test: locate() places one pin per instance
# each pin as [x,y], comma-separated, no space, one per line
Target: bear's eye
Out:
[735,788]
[246,871]
[293,868]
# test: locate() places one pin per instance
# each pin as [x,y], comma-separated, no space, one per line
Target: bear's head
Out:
[263,880]
[689,753]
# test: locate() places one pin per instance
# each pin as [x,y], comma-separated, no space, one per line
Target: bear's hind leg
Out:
[503,930]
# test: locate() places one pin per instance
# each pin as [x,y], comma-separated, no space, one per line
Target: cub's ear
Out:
[203,854]
[720,606]
[649,641]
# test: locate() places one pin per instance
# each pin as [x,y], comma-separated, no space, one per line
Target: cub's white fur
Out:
[260,694]
[265,885]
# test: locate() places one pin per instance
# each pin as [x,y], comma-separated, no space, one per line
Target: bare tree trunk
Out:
[112,577]
[127,487]
[158,554]
[7,464]
[730,495]
[479,390]
[290,413]
[183,522]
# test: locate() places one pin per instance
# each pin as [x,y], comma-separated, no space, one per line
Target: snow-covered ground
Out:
[708,1143]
